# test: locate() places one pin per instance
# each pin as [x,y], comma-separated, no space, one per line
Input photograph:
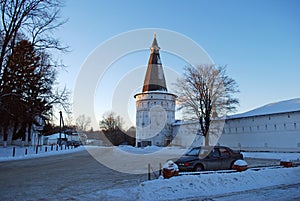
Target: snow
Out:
[272,108]
[240,163]
[189,186]
[6,154]
[135,150]
[186,186]
[272,155]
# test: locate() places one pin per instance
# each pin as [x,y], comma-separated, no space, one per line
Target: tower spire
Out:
[155,78]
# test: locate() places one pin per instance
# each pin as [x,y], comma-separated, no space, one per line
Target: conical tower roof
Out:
[155,78]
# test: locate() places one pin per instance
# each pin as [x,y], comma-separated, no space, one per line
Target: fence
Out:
[16,151]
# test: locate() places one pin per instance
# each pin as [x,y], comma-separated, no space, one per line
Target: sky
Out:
[257,40]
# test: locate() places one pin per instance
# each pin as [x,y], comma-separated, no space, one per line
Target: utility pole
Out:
[61,125]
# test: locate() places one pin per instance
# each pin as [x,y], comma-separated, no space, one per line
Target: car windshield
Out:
[198,152]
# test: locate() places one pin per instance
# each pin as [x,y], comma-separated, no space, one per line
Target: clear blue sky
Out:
[258,40]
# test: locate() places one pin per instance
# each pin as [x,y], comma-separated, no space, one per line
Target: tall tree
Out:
[31,19]
[29,84]
[26,84]
[206,92]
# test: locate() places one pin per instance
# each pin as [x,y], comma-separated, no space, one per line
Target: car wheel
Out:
[198,168]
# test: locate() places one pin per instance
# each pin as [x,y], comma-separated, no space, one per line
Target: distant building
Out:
[272,127]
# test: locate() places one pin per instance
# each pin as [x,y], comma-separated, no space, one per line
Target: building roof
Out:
[154,78]
[292,105]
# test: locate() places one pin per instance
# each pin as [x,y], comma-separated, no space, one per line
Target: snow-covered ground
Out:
[245,185]
[272,155]
[219,185]
[216,184]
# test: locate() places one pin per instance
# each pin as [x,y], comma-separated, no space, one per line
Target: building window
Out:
[236,130]
[284,125]
[295,125]
[275,127]
[258,128]
[269,118]
[266,127]
[289,116]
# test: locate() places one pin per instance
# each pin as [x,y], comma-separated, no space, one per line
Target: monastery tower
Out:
[155,107]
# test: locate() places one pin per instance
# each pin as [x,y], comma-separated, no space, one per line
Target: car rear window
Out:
[193,152]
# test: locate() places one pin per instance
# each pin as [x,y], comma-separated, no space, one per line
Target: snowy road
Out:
[62,177]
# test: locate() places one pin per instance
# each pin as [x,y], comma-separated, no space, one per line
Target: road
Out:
[70,177]
[61,177]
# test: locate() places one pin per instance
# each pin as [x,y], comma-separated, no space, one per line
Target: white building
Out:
[155,107]
[272,127]
[275,126]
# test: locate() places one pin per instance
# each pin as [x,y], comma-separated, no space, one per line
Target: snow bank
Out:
[272,155]
[215,184]
[151,149]
[135,150]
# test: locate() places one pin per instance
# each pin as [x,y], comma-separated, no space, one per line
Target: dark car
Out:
[208,158]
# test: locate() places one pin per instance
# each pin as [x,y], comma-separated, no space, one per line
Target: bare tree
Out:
[83,122]
[33,20]
[111,122]
[206,92]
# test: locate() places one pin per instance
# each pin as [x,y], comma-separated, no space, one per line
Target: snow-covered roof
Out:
[292,105]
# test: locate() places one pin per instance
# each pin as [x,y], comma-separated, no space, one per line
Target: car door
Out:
[225,158]
[213,161]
